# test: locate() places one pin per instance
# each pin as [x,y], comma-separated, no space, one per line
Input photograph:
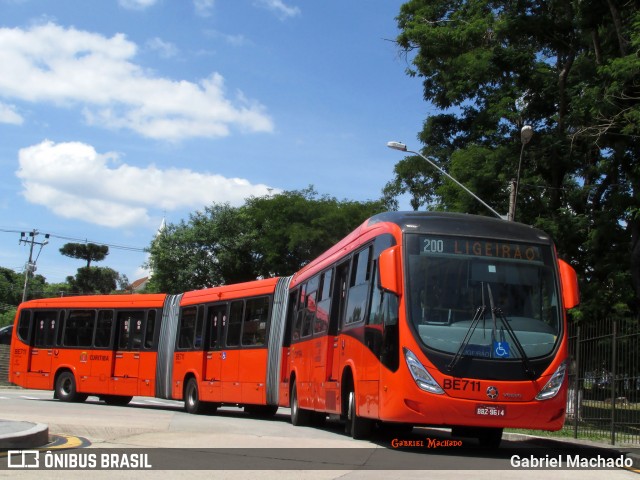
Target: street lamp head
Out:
[525,134]
[403,148]
[397,146]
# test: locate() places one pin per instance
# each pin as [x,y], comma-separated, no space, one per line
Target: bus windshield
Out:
[483,298]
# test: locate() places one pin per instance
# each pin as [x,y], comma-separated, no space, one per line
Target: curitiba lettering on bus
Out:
[413,319]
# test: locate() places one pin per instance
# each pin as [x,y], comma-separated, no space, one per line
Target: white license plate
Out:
[491,410]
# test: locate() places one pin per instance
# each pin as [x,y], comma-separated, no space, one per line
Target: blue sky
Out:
[116,113]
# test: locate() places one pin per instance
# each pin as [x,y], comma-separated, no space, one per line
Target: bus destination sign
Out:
[480,248]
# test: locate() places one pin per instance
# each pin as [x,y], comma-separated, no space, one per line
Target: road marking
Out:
[59,442]
[62,442]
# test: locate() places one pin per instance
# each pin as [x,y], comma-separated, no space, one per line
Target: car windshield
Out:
[471,297]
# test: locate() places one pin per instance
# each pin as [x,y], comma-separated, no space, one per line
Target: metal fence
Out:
[604,382]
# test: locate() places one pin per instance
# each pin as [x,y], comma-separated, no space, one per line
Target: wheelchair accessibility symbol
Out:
[501,349]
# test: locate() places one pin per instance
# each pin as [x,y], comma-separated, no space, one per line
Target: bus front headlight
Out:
[423,379]
[552,387]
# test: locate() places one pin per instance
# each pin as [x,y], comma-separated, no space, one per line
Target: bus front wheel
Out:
[66,390]
[299,416]
[357,427]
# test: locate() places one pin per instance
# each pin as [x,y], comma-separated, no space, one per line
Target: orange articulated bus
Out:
[413,319]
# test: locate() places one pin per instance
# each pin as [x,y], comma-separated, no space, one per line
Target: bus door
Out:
[129,334]
[317,304]
[148,353]
[338,307]
[102,360]
[44,334]
[230,355]
[212,375]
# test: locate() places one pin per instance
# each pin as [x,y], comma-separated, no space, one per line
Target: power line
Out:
[83,240]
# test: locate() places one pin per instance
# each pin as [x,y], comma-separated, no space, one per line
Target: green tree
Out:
[91,280]
[7,316]
[268,236]
[567,68]
[293,228]
[12,287]
[90,252]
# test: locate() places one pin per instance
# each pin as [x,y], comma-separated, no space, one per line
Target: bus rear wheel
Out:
[66,390]
[192,403]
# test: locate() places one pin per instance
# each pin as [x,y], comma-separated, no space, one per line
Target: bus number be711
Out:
[461,384]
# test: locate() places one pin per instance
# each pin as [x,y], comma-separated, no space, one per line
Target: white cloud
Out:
[280,8]
[69,67]
[137,4]
[237,40]
[203,7]
[165,49]
[9,115]
[74,181]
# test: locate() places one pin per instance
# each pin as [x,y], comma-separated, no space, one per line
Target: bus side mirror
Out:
[389,267]
[569,284]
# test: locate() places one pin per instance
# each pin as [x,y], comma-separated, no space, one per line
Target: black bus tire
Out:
[192,403]
[299,416]
[66,389]
[356,426]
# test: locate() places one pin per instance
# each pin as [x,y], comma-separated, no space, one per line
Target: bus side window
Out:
[198,334]
[130,329]
[216,318]
[44,324]
[104,329]
[234,328]
[321,325]
[338,297]
[124,330]
[23,326]
[358,300]
[138,330]
[292,334]
[149,335]
[309,315]
[79,327]
[61,324]
[255,322]
[186,331]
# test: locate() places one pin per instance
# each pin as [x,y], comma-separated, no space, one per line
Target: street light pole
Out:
[525,137]
[403,148]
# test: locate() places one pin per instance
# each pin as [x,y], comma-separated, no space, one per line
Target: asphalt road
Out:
[232,444]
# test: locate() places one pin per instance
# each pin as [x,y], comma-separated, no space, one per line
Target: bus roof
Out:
[443,223]
[229,292]
[136,300]
[435,223]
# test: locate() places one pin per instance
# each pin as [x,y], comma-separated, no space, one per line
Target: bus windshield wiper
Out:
[497,311]
[480,311]
[525,359]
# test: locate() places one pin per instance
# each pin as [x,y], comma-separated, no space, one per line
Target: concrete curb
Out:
[22,435]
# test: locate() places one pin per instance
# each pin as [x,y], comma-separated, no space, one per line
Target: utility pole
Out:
[30,267]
